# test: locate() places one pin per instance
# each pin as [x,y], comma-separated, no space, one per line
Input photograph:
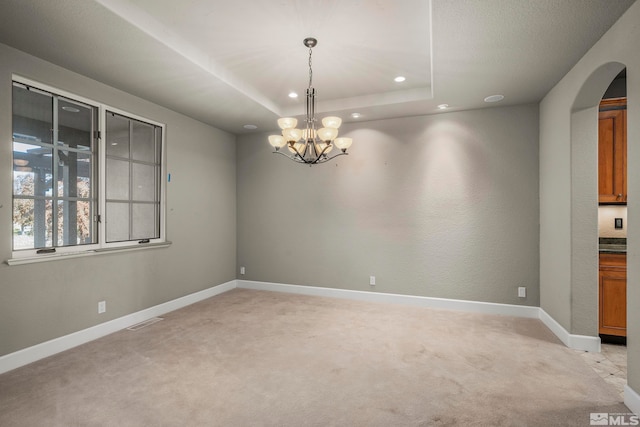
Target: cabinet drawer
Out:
[613,261]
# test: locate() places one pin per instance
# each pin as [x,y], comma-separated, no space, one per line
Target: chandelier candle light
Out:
[310,146]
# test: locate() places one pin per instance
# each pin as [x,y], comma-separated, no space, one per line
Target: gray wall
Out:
[441,206]
[568,190]
[42,301]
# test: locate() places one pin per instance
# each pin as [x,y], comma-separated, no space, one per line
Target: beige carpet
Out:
[251,358]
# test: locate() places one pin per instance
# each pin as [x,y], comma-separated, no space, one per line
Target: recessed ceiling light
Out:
[70,109]
[400,79]
[356,115]
[443,106]
[494,98]
[293,95]
[250,127]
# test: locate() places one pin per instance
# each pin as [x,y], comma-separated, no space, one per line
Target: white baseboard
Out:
[576,342]
[452,304]
[49,348]
[39,351]
[632,399]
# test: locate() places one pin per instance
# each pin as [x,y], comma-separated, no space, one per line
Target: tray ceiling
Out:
[234,63]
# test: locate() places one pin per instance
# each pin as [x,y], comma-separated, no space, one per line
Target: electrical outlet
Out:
[241,270]
[618,223]
[102,307]
[372,280]
[522,292]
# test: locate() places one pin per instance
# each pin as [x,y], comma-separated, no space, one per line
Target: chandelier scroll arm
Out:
[326,147]
[295,159]
[332,157]
[318,160]
[296,150]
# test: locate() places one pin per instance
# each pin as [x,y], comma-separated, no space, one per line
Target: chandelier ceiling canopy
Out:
[310,145]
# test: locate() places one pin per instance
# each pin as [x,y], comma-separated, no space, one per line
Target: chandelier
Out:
[308,145]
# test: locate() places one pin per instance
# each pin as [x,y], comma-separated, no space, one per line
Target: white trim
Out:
[54,94]
[69,255]
[57,345]
[48,348]
[104,110]
[27,256]
[54,90]
[576,342]
[632,399]
[452,304]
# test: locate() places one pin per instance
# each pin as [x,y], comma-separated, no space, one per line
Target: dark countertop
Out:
[612,245]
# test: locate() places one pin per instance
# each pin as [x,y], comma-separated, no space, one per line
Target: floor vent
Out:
[141,325]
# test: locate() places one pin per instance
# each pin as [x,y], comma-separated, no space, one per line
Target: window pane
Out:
[75,125]
[23,224]
[32,172]
[85,224]
[74,223]
[143,145]
[32,115]
[43,223]
[117,179]
[117,138]
[23,183]
[117,222]
[144,221]
[32,223]
[144,183]
[74,174]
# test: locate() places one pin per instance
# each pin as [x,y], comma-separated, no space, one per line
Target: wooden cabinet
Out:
[612,151]
[613,294]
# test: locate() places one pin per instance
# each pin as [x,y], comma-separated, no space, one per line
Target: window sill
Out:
[80,254]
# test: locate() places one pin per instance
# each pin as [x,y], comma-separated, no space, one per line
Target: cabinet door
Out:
[613,302]
[612,156]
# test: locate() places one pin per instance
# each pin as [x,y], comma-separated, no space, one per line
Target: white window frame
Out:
[103,181]
[24,256]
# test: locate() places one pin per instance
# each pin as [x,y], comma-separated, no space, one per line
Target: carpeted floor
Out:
[253,358]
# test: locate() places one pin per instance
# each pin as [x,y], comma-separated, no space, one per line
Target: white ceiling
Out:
[231,63]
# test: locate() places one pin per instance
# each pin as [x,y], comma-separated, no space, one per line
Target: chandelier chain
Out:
[310,69]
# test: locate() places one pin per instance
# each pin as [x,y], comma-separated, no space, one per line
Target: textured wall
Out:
[584,221]
[555,211]
[442,206]
[579,89]
[42,301]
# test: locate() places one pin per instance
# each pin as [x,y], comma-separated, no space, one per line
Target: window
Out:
[75,191]
[54,153]
[132,179]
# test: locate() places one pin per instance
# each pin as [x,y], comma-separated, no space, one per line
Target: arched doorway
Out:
[584,199]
